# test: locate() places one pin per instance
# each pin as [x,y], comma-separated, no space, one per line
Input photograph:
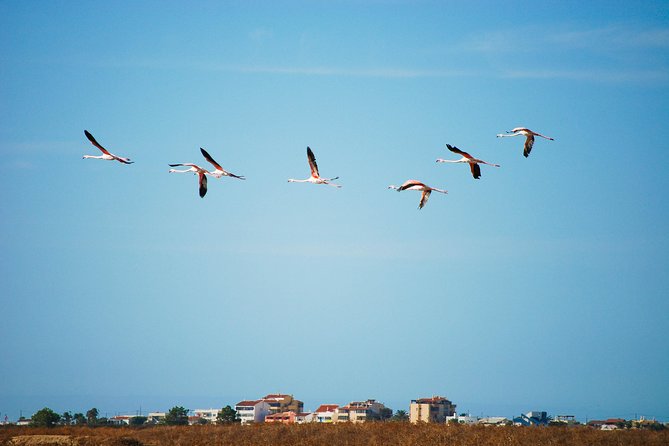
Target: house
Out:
[462,419]
[361,411]
[206,414]
[494,421]
[607,425]
[155,417]
[431,410]
[120,420]
[569,420]
[283,403]
[533,418]
[194,420]
[24,421]
[281,417]
[326,413]
[252,411]
[304,417]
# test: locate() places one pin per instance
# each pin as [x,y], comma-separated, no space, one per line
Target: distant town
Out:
[284,408]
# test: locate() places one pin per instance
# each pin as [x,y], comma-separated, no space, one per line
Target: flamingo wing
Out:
[424,197]
[476,170]
[203,184]
[529,142]
[210,159]
[95,143]
[458,151]
[312,163]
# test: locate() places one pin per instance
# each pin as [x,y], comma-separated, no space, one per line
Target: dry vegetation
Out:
[370,434]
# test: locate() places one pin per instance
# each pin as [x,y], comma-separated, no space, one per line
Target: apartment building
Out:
[283,403]
[252,411]
[361,411]
[431,410]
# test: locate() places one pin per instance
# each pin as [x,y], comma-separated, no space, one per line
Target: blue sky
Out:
[541,286]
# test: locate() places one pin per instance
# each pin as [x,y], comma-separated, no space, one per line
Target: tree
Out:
[176,416]
[137,421]
[66,418]
[386,414]
[45,418]
[92,416]
[79,418]
[400,415]
[227,415]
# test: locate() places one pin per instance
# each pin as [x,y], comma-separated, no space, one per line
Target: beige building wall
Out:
[431,410]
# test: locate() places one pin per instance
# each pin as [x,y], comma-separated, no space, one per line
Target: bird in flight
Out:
[467,158]
[106,155]
[417,185]
[197,170]
[315,177]
[529,138]
[219,172]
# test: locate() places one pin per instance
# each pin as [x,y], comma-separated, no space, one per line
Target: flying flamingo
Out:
[106,155]
[197,170]
[219,172]
[529,135]
[467,158]
[417,185]
[315,178]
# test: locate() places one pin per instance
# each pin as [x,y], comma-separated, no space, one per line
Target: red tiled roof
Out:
[327,408]
[248,403]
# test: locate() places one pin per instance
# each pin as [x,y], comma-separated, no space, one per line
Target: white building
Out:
[252,411]
[326,413]
[207,414]
[494,421]
[304,417]
[462,419]
[155,417]
[120,420]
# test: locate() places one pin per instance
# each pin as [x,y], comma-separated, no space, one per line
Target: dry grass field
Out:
[370,434]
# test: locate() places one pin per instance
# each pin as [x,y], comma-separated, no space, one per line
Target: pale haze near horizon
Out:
[541,286]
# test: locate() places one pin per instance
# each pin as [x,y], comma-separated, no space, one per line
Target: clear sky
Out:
[541,286]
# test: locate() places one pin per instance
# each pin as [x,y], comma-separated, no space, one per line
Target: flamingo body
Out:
[197,170]
[417,185]
[219,171]
[315,177]
[106,155]
[467,158]
[529,138]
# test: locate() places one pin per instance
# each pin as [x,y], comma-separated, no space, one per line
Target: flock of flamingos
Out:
[315,177]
